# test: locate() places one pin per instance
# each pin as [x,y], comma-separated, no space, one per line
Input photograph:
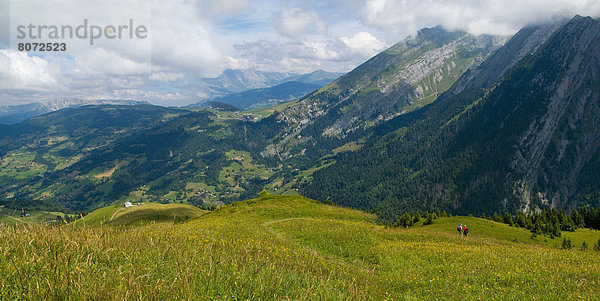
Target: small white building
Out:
[128,204]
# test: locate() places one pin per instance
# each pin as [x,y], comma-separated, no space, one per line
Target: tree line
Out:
[549,222]
[552,221]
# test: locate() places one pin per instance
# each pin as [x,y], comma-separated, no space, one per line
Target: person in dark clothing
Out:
[465,230]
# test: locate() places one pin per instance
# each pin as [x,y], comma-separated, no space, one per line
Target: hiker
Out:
[466,230]
[460,229]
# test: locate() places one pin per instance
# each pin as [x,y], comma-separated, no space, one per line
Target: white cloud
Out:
[239,63]
[18,71]
[183,40]
[331,54]
[503,17]
[191,39]
[363,43]
[181,34]
[140,94]
[219,8]
[166,77]
[295,22]
[99,60]
[320,50]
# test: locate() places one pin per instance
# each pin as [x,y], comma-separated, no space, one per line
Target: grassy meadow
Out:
[292,248]
[146,213]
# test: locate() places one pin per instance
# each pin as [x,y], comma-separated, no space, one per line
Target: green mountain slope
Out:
[212,157]
[109,122]
[401,79]
[290,247]
[139,214]
[514,131]
[16,113]
[528,140]
[198,157]
[53,142]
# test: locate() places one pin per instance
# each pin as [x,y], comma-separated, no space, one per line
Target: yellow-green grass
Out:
[11,217]
[20,165]
[135,196]
[292,248]
[348,147]
[147,213]
[241,165]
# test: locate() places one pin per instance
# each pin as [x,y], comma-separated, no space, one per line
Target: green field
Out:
[11,217]
[290,248]
[145,213]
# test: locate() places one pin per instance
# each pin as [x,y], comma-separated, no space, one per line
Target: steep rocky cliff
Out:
[564,135]
[401,79]
[521,131]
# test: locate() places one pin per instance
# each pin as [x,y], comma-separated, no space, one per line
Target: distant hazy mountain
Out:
[319,77]
[14,114]
[233,81]
[266,96]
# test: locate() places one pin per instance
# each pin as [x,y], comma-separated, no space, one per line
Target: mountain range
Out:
[264,97]
[16,113]
[257,89]
[444,119]
[517,133]
[235,80]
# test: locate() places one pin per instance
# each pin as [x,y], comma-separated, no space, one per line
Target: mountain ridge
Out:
[239,80]
[490,149]
[483,144]
[16,113]
[262,97]
[401,79]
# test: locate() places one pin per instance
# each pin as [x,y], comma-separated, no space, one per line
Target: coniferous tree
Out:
[328,201]
[406,220]
[429,219]
[577,219]
[597,246]
[507,219]
[556,230]
[585,214]
[568,225]
[417,217]
[497,218]
[521,220]
[537,227]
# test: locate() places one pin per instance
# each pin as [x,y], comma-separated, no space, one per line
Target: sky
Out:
[187,40]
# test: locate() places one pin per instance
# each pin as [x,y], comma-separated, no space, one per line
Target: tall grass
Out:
[287,248]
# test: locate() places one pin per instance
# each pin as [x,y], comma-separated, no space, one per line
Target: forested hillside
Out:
[528,140]
[441,120]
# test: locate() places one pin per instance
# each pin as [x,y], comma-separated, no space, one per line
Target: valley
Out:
[460,135]
[320,186]
[304,150]
[214,156]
